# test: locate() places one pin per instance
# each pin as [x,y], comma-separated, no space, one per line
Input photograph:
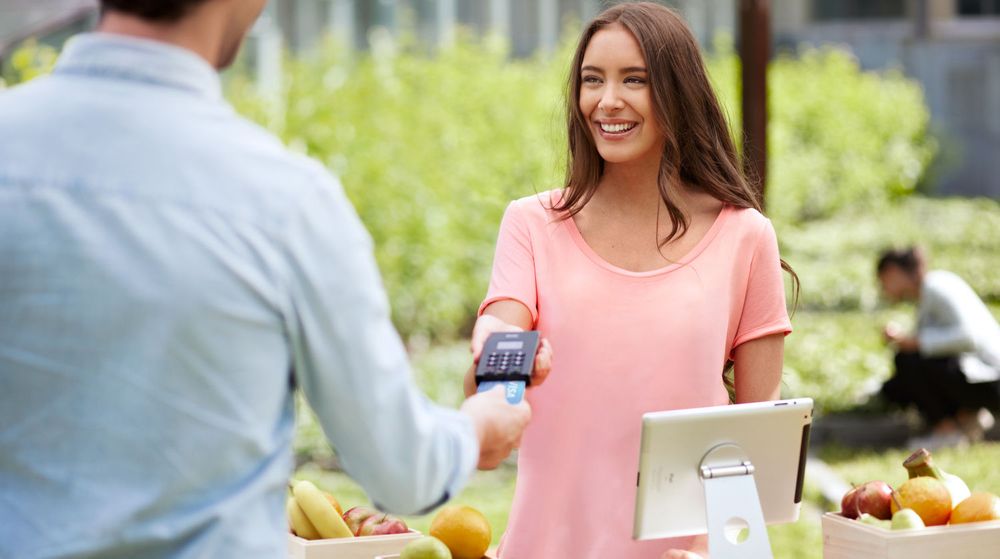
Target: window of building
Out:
[833,10]
[979,7]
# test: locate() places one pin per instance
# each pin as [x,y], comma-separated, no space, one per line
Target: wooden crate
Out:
[844,538]
[364,547]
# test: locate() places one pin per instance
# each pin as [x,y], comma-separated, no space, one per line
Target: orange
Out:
[464,530]
[980,507]
[928,497]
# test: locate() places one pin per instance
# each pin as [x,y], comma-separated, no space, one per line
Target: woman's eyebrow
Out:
[626,70]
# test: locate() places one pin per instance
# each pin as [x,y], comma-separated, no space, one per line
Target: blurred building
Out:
[952,47]
[50,21]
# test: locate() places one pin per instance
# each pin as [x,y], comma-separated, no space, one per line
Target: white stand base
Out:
[732,503]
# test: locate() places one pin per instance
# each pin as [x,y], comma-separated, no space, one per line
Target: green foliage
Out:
[29,61]
[835,257]
[430,150]
[841,138]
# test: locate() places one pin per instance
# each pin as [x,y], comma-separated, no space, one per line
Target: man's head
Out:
[900,273]
[162,11]
[216,27]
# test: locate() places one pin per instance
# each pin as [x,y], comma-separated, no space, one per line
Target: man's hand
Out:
[499,425]
[894,335]
[488,324]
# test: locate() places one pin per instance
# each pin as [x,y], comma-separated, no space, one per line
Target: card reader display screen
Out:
[504,346]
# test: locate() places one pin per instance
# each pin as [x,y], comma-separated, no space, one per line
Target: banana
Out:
[319,511]
[300,522]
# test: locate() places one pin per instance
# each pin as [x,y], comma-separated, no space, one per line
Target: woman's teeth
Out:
[617,128]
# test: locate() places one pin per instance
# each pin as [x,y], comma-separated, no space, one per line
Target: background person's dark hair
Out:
[909,259]
[153,10]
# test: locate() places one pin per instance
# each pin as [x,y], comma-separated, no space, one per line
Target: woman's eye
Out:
[591,79]
[635,80]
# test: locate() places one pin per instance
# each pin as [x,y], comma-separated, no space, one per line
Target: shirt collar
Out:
[141,60]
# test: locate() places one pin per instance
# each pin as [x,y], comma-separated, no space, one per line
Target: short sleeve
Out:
[764,312]
[513,274]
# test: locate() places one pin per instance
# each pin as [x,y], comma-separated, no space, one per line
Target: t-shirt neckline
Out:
[702,244]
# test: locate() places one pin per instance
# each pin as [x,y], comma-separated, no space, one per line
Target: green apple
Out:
[906,519]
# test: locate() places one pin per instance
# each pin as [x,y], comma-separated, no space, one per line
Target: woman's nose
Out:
[611,101]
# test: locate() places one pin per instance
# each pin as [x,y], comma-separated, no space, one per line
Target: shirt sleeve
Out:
[407,453]
[513,274]
[764,312]
[950,334]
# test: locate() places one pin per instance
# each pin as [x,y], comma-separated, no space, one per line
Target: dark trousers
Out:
[937,387]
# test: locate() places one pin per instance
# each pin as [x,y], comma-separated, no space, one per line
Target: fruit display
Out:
[930,497]
[314,514]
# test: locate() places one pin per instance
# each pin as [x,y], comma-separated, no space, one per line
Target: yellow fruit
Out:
[928,497]
[980,507]
[463,529]
[319,511]
[300,524]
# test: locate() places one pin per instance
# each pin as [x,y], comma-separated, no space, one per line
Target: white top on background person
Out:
[168,274]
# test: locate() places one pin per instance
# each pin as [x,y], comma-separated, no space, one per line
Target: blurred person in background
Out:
[949,367]
[169,273]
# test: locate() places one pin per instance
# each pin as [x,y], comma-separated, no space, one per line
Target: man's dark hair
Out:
[153,10]
[909,259]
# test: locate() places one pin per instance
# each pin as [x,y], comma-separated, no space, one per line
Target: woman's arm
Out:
[506,315]
[757,371]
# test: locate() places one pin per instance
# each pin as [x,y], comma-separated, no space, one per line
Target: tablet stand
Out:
[731,495]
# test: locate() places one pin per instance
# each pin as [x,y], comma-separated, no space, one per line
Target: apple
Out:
[356,516]
[382,524]
[873,497]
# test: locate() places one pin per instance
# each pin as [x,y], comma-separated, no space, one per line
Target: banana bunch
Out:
[313,514]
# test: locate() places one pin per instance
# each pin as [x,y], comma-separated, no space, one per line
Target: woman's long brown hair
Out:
[698,150]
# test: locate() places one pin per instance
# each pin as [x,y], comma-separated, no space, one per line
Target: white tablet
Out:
[670,497]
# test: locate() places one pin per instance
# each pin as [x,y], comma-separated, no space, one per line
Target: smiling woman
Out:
[646,275]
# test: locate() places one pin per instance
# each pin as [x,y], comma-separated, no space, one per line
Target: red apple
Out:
[873,497]
[356,516]
[382,524]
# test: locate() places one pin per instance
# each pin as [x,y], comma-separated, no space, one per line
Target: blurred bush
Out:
[430,148]
[28,61]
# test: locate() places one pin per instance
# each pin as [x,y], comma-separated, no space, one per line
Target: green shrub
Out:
[835,257]
[28,61]
[431,148]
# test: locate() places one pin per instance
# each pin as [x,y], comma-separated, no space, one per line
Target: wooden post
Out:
[755,49]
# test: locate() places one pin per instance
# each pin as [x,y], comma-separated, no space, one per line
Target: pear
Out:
[906,519]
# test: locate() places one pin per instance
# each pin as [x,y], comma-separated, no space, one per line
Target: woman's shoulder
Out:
[748,222]
[537,207]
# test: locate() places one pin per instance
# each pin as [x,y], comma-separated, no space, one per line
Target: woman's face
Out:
[616,99]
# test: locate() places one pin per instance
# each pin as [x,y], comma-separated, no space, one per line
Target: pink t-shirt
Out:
[624,343]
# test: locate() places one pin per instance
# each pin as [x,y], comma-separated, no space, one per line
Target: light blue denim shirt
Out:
[166,269]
